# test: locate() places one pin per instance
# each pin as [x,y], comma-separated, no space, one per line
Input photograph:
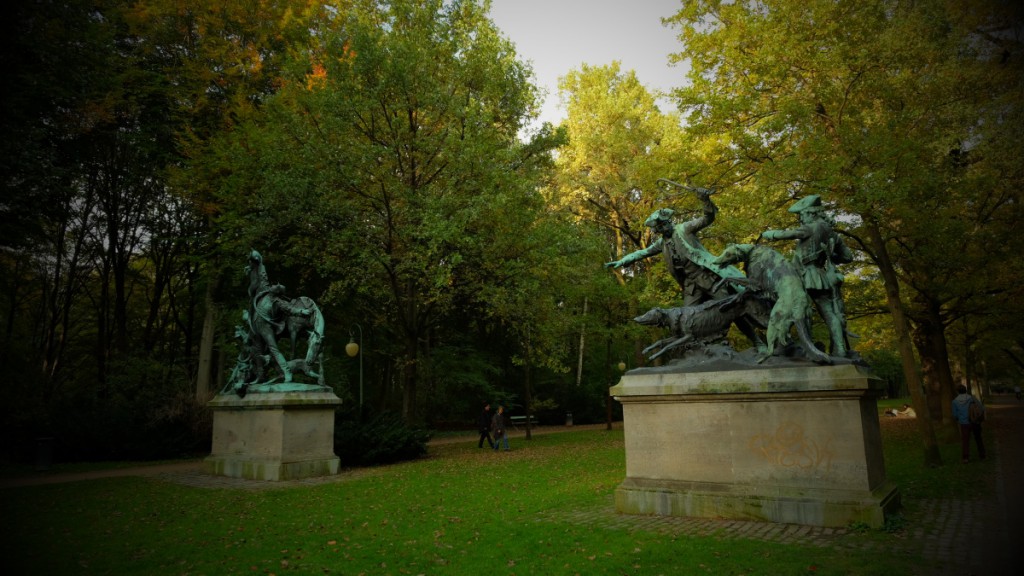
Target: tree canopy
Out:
[900,114]
[390,162]
[378,154]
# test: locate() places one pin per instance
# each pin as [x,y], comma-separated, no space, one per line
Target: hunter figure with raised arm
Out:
[688,261]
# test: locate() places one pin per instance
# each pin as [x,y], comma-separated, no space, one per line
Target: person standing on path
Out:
[498,428]
[483,423]
[968,425]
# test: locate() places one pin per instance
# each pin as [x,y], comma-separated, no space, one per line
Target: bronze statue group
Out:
[775,295]
[269,315]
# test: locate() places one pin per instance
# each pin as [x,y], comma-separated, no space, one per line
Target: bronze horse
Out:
[312,328]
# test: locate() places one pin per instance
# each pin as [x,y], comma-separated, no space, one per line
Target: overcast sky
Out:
[557,36]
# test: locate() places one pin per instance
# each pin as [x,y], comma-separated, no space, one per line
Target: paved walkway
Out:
[966,538]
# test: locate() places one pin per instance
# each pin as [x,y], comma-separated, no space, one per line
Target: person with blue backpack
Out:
[969,413]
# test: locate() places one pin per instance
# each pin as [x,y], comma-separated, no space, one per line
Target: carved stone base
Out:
[273,436]
[798,444]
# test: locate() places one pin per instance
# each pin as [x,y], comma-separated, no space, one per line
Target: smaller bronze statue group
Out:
[775,295]
[269,315]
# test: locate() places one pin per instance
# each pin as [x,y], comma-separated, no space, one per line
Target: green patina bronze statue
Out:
[270,313]
[774,294]
[776,280]
[691,264]
[818,250]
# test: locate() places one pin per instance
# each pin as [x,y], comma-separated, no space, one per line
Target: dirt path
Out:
[196,466]
[994,543]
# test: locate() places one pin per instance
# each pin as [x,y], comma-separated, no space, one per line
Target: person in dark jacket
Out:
[962,415]
[483,424]
[498,427]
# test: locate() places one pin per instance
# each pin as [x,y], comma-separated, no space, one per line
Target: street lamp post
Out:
[352,349]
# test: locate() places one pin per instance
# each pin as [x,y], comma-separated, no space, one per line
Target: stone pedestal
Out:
[273,436]
[798,445]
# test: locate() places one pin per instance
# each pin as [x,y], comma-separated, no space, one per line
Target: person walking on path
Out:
[969,413]
[483,423]
[499,430]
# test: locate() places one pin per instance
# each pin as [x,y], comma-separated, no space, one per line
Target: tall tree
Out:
[218,63]
[392,159]
[619,145]
[84,133]
[87,139]
[877,105]
[104,249]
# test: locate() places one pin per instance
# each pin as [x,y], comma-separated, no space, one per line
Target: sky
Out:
[557,36]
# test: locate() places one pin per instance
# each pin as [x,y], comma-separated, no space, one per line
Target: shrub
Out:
[144,410]
[383,439]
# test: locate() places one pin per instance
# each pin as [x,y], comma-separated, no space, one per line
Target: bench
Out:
[516,420]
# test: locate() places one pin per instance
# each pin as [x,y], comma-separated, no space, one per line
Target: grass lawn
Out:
[462,510]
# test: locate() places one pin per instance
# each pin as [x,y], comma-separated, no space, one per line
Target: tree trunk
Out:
[409,380]
[528,396]
[930,340]
[120,272]
[204,372]
[932,457]
[103,324]
[161,282]
[583,334]
[608,378]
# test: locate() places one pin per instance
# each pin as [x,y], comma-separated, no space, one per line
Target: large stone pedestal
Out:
[798,445]
[273,436]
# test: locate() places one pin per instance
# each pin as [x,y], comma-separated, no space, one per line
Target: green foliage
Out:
[383,439]
[619,145]
[459,380]
[885,364]
[390,163]
[104,231]
[143,414]
[900,115]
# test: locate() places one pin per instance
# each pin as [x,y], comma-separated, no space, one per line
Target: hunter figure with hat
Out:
[818,249]
[688,261]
